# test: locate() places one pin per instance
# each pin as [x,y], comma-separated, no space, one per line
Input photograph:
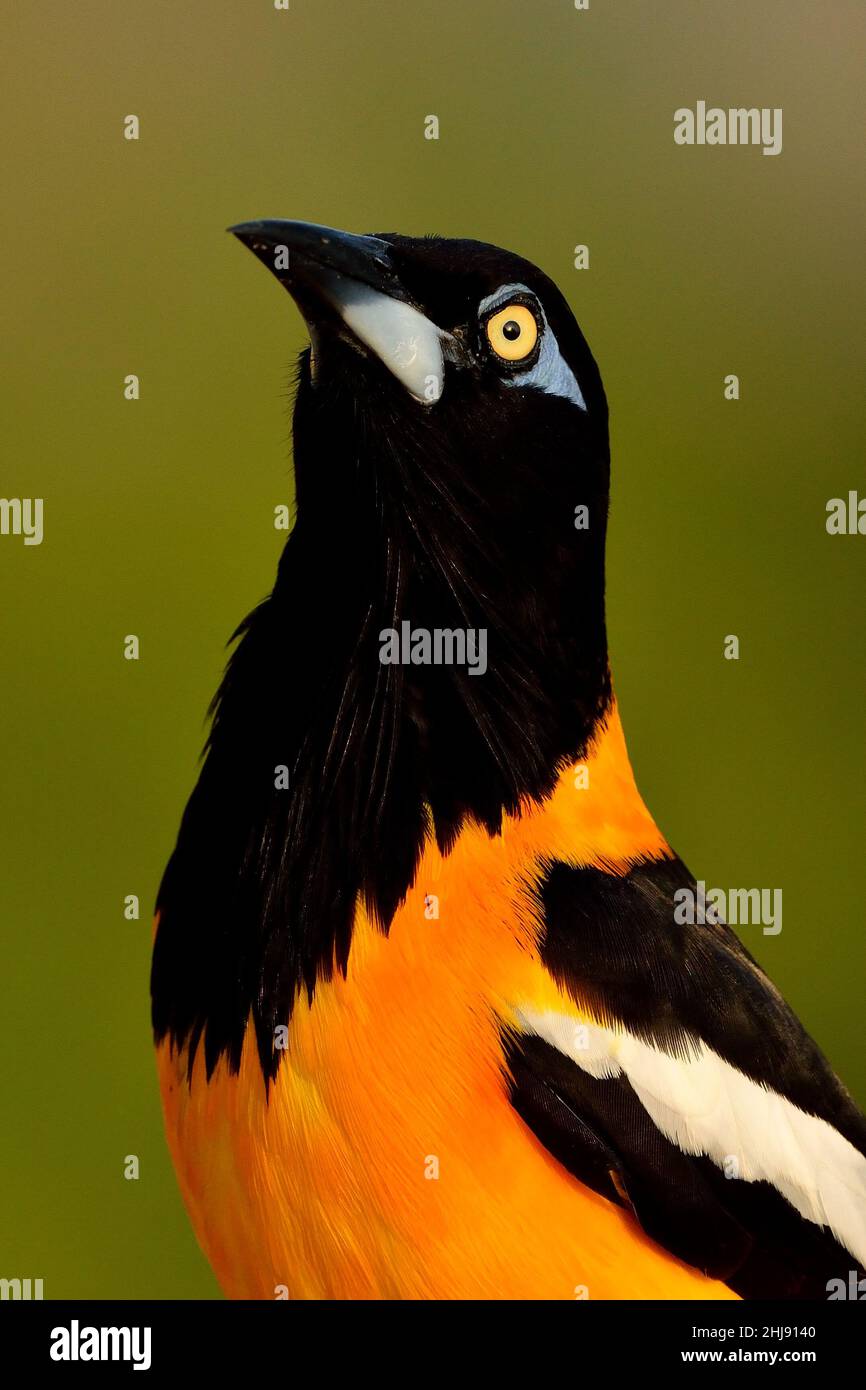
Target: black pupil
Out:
[511,330]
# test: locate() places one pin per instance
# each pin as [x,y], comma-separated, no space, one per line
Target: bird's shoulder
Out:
[672,1076]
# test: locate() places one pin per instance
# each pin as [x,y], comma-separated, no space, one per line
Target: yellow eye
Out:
[512,332]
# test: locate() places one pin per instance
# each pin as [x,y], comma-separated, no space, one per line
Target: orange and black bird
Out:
[427,1024]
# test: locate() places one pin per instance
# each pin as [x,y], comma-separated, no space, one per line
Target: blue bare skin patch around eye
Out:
[549,372]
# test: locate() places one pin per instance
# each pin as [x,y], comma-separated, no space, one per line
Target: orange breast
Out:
[387,1161]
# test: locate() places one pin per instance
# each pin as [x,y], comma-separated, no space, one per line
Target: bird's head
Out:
[434,345]
[452,470]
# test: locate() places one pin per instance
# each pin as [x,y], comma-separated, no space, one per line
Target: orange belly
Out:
[387,1161]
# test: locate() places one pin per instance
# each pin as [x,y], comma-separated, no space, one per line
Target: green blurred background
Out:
[556,129]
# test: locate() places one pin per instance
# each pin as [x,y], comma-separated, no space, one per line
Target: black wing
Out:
[613,944]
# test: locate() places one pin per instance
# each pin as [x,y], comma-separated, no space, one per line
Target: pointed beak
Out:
[339,275]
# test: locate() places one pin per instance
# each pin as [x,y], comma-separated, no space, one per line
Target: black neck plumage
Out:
[327,768]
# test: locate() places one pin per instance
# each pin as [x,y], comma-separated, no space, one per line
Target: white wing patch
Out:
[706,1106]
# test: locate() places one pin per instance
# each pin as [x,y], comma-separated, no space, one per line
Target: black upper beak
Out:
[302,254]
[349,283]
